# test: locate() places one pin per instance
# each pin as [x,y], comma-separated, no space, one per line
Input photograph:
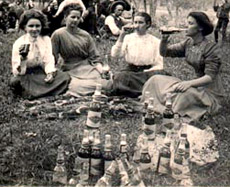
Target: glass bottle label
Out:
[93,119]
[96,167]
[164,166]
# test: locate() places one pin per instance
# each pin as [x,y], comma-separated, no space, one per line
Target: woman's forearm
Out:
[202,81]
[163,47]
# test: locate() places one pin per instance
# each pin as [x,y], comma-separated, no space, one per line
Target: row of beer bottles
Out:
[90,153]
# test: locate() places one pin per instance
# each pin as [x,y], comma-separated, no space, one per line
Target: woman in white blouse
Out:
[142,58]
[33,65]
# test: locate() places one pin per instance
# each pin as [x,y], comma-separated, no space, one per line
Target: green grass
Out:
[30,159]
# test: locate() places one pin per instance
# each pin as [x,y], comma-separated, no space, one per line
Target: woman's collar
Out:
[31,39]
[198,41]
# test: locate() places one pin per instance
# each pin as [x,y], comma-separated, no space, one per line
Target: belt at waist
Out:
[131,67]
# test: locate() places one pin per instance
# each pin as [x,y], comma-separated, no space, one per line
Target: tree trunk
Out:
[168,5]
[153,8]
[145,5]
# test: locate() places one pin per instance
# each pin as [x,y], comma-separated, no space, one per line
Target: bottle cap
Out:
[98,90]
[168,100]
[151,104]
[147,96]
[123,138]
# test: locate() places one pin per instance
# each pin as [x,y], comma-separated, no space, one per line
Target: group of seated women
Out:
[35,56]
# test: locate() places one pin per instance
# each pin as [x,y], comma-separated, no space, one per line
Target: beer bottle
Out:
[123,173]
[134,175]
[183,129]
[164,160]
[106,74]
[168,114]
[108,155]
[124,147]
[181,158]
[184,145]
[84,151]
[146,102]
[84,175]
[149,126]
[145,159]
[186,170]
[60,173]
[106,179]
[175,132]
[94,114]
[76,172]
[177,165]
[177,122]
[96,164]
[136,154]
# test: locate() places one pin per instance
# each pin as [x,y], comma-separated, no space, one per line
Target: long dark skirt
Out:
[130,81]
[191,104]
[32,84]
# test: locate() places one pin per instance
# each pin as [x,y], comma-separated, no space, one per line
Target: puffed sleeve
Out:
[174,50]
[15,59]
[120,48]
[93,53]
[212,59]
[49,62]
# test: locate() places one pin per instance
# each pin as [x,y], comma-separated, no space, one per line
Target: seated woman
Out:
[78,50]
[191,98]
[33,63]
[114,22]
[141,53]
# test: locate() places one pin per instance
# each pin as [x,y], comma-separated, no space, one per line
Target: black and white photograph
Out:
[101,93]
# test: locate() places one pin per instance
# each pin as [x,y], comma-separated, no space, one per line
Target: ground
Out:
[28,145]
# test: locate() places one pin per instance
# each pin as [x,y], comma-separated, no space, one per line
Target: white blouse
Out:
[139,50]
[45,58]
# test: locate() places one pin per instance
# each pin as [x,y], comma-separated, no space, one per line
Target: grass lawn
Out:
[30,159]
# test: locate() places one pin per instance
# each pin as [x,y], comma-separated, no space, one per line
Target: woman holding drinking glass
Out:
[33,64]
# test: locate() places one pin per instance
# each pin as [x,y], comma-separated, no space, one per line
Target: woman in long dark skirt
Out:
[202,95]
[142,58]
[33,64]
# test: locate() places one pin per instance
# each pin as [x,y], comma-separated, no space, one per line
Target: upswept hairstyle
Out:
[34,14]
[68,8]
[146,16]
[203,22]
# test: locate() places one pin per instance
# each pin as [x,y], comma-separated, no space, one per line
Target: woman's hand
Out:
[21,69]
[24,50]
[99,67]
[182,86]
[50,77]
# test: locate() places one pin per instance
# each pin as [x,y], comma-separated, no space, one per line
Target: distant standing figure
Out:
[222,13]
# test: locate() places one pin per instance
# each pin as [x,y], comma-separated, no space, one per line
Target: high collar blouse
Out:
[44,47]
[139,50]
